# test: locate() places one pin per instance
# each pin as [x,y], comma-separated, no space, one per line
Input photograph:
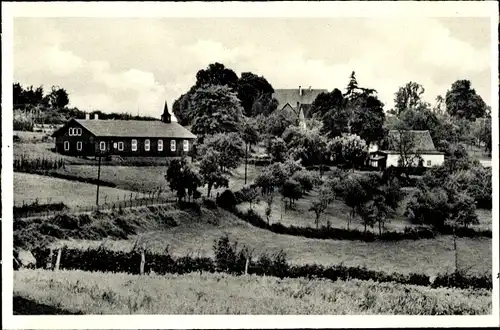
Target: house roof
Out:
[422,141]
[135,128]
[292,96]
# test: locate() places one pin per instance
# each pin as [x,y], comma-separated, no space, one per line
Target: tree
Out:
[318,207]
[249,194]
[217,74]
[352,86]
[368,213]
[250,136]
[292,190]
[182,178]
[58,97]
[367,116]
[307,179]
[483,134]
[326,102]
[278,122]
[463,102]
[255,94]
[276,148]
[181,108]
[215,109]
[308,146]
[349,148]
[353,196]
[229,148]
[406,144]
[462,213]
[210,170]
[408,96]
[269,208]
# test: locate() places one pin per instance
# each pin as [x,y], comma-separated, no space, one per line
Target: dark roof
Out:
[422,139]
[292,96]
[136,128]
[305,108]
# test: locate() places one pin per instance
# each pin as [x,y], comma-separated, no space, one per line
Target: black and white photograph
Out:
[329,162]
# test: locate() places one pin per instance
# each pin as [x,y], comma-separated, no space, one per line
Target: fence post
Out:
[58,260]
[246,266]
[49,260]
[143,261]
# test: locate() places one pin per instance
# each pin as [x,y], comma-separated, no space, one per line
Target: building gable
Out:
[72,123]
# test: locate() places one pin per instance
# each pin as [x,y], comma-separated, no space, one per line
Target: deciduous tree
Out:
[463,102]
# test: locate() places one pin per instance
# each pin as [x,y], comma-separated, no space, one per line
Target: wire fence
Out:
[49,207]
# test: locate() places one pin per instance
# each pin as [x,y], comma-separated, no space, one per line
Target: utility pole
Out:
[246,161]
[98,179]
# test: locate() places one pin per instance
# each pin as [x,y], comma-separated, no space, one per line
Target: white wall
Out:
[436,160]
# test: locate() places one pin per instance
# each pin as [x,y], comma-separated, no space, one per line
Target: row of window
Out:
[120,145]
[75,131]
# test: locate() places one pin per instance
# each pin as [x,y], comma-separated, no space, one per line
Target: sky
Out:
[136,64]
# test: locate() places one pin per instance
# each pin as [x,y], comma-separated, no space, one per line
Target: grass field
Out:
[196,234]
[29,187]
[148,178]
[107,293]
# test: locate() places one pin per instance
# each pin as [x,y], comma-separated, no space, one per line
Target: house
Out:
[417,146]
[91,137]
[297,101]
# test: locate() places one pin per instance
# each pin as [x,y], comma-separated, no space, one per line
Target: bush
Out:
[231,260]
[227,200]
[194,206]
[462,281]
[35,207]
[209,204]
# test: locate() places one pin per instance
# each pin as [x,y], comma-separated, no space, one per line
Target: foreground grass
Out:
[196,234]
[108,293]
[29,187]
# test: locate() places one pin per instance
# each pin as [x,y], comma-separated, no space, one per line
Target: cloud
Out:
[126,64]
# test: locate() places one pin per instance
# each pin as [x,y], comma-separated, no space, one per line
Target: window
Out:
[66,145]
[120,146]
[429,163]
[78,131]
[115,145]
[102,145]
[134,145]
[172,145]
[160,145]
[71,130]
[147,145]
[79,145]
[186,145]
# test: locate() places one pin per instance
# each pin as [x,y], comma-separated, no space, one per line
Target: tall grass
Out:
[27,164]
[116,293]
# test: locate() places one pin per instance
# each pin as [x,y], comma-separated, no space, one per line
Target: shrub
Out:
[209,204]
[227,200]
[229,259]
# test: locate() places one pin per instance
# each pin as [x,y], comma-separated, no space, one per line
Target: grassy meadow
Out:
[108,293]
[29,187]
[196,234]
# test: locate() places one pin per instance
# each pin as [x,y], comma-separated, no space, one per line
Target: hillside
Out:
[185,231]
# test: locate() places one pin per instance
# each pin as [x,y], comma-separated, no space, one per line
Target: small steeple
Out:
[165,117]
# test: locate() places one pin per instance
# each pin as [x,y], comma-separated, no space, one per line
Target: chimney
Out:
[87,116]
[309,88]
[96,116]
[300,90]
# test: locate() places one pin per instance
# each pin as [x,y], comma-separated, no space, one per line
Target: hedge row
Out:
[275,265]
[38,208]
